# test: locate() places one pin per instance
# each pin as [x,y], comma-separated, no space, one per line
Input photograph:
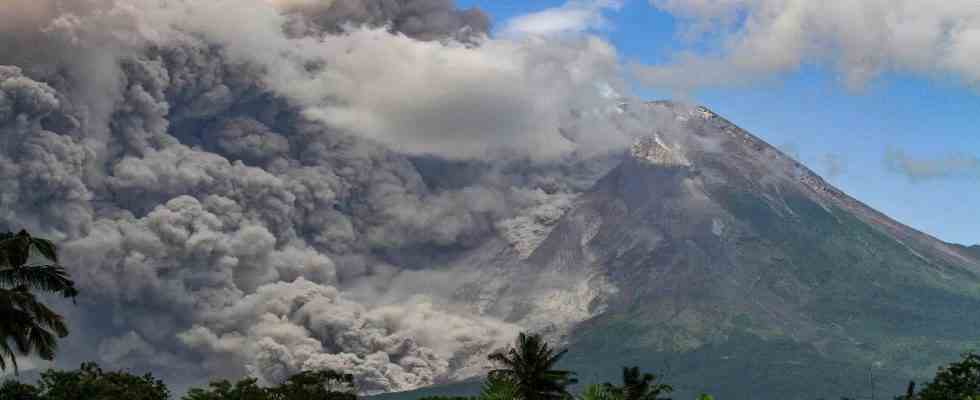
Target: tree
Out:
[447,398]
[599,392]
[957,380]
[637,386]
[316,385]
[909,392]
[13,390]
[307,385]
[498,387]
[246,389]
[529,365]
[92,383]
[27,325]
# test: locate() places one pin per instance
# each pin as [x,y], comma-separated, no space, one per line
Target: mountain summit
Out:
[716,259]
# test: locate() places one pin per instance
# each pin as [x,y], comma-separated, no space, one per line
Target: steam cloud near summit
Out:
[231,178]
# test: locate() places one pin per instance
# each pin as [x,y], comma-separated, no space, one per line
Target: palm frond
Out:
[15,249]
[27,325]
[43,343]
[7,353]
[49,278]
[44,316]
[46,248]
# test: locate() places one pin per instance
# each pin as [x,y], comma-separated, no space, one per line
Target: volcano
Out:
[742,273]
[717,261]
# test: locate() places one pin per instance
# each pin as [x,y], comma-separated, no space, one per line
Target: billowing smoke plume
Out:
[249,187]
[419,19]
[860,39]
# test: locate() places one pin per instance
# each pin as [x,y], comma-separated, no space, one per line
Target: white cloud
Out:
[860,39]
[572,17]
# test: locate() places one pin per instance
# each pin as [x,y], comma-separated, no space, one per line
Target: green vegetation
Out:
[526,372]
[318,385]
[638,386]
[959,380]
[88,383]
[92,383]
[529,367]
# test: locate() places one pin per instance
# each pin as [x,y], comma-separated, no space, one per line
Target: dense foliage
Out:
[637,386]
[246,389]
[957,381]
[87,383]
[92,383]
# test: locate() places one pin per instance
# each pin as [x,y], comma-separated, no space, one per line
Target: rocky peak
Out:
[653,150]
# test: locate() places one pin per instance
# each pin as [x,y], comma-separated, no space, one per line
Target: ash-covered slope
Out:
[747,275]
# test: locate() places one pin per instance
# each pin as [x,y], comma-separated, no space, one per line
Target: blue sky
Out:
[812,111]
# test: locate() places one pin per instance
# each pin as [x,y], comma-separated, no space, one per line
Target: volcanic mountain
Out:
[712,258]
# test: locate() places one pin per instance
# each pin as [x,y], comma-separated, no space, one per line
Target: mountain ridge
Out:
[820,186]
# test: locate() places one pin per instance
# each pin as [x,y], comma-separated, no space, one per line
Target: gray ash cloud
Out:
[419,19]
[225,189]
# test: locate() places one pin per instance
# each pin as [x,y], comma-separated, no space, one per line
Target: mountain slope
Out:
[752,276]
[711,257]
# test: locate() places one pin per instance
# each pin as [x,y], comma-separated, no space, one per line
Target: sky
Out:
[905,140]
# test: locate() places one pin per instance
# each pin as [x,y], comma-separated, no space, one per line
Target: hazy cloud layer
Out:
[920,169]
[757,39]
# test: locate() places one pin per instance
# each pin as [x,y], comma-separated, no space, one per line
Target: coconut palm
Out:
[599,392]
[529,365]
[637,386]
[27,325]
[498,387]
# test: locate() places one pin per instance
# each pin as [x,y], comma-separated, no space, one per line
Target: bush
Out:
[246,389]
[12,390]
[956,381]
[87,383]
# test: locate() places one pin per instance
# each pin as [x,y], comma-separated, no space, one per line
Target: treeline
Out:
[525,371]
[92,383]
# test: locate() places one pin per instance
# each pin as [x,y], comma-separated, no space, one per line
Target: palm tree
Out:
[638,386]
[498,387]
[27,325]
[529,366]
[599,392]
